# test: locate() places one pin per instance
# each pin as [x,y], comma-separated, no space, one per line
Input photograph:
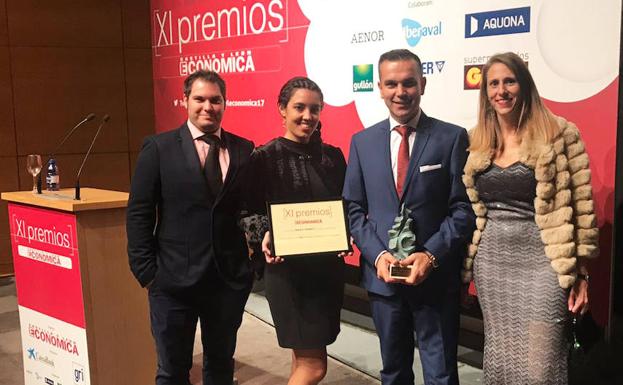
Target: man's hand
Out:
[266,250]
[420,268]
[382,267]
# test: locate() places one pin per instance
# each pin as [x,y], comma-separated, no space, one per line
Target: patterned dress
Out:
[523,306]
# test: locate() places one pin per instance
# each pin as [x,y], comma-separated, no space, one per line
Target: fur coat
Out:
[564,208]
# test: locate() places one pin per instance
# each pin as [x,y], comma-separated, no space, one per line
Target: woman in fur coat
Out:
[528,179]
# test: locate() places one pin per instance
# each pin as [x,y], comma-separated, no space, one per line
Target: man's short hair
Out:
[206,76]
[398,55]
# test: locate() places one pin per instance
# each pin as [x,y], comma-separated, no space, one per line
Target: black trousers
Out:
[174,317]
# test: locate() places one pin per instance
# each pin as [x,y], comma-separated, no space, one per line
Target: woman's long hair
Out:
[535,121]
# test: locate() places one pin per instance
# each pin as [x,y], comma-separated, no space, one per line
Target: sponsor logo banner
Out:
[432,67]
[501,22]
[55,351]
[46,262]
[414,31]
[363,78]
[472,74]
[367,37]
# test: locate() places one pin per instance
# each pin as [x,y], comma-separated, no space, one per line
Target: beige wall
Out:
[60,60]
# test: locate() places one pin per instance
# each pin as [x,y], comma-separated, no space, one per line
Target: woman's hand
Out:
[578,297]
[266,250]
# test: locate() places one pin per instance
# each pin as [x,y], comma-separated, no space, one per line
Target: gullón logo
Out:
[363,78]
[501,22]
[414,31]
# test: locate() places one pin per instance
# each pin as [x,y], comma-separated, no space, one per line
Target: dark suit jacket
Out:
[176,229]
[442,214]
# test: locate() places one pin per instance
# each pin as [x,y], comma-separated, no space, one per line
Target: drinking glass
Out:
[33,165]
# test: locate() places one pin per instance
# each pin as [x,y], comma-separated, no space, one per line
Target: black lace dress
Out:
[304,292]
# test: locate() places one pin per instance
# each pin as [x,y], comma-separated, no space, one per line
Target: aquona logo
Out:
[363,78]
[414,31]
[500,22]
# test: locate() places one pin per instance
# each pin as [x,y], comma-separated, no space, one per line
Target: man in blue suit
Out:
[417,161]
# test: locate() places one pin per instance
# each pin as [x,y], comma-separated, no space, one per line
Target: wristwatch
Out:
[431,259]
[584,277]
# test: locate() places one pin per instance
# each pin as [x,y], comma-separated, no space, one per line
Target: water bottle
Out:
[52,179]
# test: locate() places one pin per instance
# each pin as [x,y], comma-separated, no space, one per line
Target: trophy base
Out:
[399,272]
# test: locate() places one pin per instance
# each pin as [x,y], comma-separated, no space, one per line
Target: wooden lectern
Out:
[84,318]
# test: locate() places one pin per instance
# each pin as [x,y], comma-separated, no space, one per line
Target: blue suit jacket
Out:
[442,214]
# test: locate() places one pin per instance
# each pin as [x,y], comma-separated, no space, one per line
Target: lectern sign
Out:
[49,292]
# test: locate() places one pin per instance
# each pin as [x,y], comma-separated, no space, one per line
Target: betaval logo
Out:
[414,31]
[500,22]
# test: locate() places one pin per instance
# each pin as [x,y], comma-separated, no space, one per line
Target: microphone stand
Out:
[88,118]
[77,192]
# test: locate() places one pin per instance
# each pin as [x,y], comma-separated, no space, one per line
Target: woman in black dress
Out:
[304,293]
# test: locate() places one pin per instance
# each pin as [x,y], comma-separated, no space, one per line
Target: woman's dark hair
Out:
[288,90]
[294,84]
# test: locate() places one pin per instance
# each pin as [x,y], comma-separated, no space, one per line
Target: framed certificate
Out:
[306,228]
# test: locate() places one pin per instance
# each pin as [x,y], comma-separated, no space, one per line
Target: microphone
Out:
[69,133]
[77,193]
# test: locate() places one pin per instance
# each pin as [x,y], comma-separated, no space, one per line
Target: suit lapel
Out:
[190,151]
[421,139]
[234,157]
[234,162]
[386,158]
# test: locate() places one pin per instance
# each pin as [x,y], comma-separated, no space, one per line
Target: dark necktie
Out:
[403,158]
[212,167]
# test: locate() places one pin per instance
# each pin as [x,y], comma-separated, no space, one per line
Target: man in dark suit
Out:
[184,243]
[417,161]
